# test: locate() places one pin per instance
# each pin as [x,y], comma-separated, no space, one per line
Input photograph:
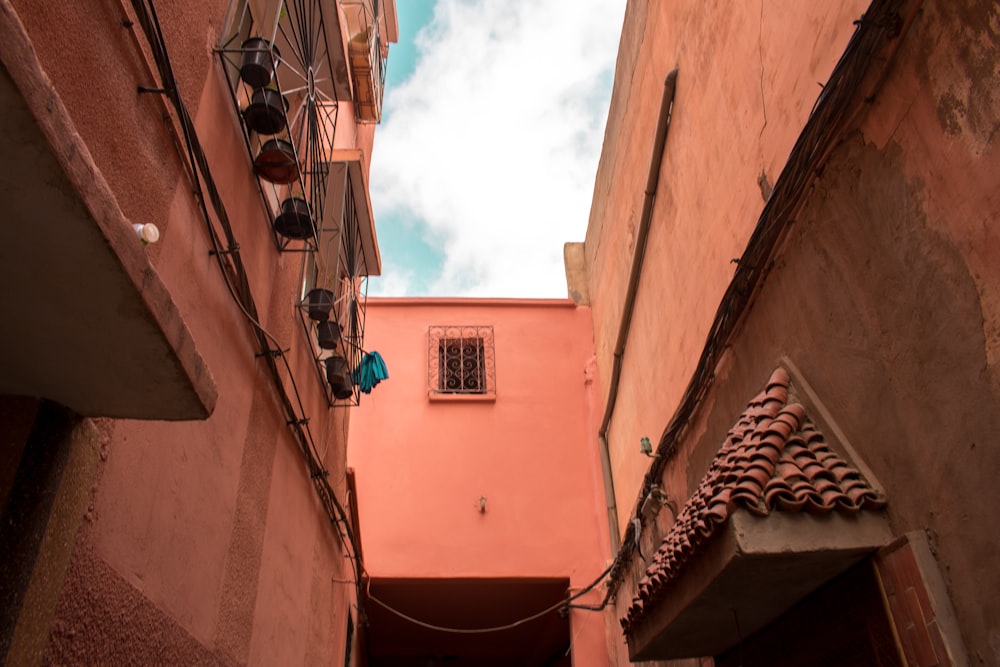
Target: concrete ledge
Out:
[754,569]
[88,321]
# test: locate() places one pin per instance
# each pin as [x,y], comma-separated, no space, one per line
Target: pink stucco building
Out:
[790,268]
[479,490]
[795,299]
[174,440]
[762,431]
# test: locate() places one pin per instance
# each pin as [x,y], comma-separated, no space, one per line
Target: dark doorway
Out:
[843,624]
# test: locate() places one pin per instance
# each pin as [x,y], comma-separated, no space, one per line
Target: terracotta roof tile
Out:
[773,459]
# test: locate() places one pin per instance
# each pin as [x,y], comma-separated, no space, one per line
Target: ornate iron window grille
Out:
[461,367]
[461,360]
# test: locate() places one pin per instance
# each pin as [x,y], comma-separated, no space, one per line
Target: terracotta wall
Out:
[423,465]
[748,74]
[896,301]
[884,295]
[203,539]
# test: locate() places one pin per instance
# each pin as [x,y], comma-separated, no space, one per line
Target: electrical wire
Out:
[562,606]
[830,115]
[237,283]
[466,631]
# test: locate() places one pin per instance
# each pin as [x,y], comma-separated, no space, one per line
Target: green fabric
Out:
[370,371]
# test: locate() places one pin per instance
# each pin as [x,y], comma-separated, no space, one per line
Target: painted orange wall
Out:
[422,466]
[885,294]
[210,531]
[748,75]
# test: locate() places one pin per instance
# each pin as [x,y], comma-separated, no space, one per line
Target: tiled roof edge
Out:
[773,459]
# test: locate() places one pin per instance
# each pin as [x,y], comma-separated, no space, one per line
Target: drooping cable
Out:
[466,631]
[563,606]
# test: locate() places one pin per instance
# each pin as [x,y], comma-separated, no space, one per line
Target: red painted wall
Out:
[748,75]
[423,465]
[209,532]
[883,294]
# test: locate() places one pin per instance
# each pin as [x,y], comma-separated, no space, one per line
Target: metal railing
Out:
[368,52]
[281,83]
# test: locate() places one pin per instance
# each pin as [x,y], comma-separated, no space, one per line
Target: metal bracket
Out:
[273,353]
[233,249]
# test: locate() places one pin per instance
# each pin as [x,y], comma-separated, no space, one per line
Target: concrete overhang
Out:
[87,321]
[347,170]
[753,570]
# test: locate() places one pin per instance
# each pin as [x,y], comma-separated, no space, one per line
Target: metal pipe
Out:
[659,141]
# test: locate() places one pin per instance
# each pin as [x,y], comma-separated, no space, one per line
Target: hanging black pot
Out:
[319,302]
[259,58]
[328,334]
[266,112]
[339,377]
[276,162]
[294,221]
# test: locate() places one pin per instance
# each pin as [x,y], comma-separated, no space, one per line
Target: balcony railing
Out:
[336,277]
[367,50]
[281,78]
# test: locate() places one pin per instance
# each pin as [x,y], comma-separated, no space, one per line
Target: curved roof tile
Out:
[773,459]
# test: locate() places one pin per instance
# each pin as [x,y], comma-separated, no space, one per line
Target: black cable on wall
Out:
[830,117]
[227,255]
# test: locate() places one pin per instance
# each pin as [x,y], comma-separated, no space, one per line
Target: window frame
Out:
[437,337]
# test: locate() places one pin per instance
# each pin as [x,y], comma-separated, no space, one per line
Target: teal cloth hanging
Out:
[370,371]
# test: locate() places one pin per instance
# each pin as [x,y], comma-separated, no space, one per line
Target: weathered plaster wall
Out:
[204,540]
[885,296]
[422,466]
[93,62]
[749,74]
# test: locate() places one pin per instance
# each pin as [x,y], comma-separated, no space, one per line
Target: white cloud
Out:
[494,139]
[394,281]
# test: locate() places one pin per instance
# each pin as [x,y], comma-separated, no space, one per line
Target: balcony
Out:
[287,71]
[285,63]
[281,61]
[335,279]
[370,29]
[87,321]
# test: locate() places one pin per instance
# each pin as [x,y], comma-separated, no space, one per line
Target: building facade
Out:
[478,491]
[187,238]
[763,432]
[794,293]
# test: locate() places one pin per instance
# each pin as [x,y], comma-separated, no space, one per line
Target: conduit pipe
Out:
[638,255]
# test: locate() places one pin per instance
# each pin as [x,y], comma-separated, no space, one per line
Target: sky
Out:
[484,164]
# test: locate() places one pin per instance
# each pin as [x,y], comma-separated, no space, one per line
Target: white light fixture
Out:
[148,233]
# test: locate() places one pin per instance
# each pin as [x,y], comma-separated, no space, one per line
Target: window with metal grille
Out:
[461,366]
[461,362]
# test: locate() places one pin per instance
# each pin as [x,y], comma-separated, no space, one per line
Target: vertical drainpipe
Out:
[660,139]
